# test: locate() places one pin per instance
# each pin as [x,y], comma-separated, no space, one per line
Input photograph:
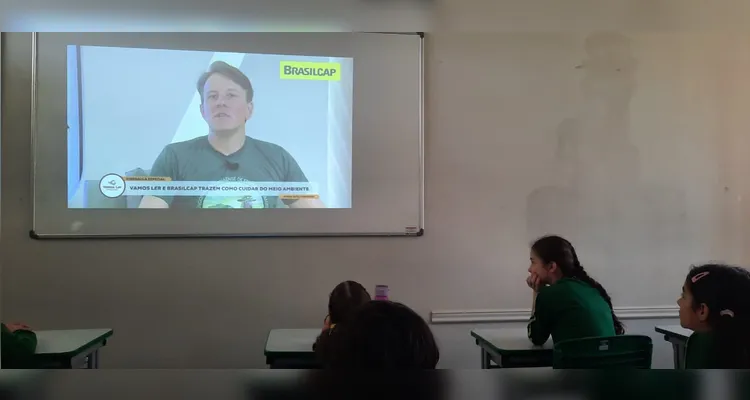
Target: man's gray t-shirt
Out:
[256,161]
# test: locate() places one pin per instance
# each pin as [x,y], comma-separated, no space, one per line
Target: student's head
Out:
[226,97]
[549,256]
[345,298]
[554,258]
[716,298]
[387,335]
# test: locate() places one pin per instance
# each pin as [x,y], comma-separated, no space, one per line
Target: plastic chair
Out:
[623,352]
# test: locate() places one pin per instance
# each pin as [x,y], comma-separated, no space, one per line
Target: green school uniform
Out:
[701,352]
[569,309]
[17,347]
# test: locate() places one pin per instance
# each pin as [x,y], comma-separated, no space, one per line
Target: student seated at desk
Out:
[384,335]
[715,304]
[18,344]
[345,298]
[568,303]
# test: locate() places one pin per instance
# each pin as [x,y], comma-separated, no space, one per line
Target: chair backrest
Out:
[623,351]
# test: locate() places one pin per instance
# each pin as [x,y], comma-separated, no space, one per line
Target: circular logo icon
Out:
[112,186]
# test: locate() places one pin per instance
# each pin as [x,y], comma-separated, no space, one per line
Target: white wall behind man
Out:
[493,102]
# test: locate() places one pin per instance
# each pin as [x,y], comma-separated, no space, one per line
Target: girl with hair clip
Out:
[568,303]
[344,300]
[715,304]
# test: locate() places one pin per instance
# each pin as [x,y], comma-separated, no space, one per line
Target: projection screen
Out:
[227,134]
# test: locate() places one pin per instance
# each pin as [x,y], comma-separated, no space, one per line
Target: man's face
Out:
[225,107]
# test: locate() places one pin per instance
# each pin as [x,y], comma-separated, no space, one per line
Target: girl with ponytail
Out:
[568,303]
[345,299]
[715,304]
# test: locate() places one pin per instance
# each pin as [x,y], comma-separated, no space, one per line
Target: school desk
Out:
[70,348]
[678,336]
[291,348]
[511,348]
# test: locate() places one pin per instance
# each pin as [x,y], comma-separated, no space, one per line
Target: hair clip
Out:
[699,276]
[729,313]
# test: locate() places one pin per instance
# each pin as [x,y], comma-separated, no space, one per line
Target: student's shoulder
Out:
[548,294]
[325,341]
[563,285]
[560,289]
[700,352]
[700,340]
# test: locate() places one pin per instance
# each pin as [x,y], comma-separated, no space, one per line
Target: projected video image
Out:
[150,128]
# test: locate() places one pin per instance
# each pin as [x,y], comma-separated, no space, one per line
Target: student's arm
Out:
[315,345]
[326,327]
[324,347]
[540,327]
[165,166]
[17,346]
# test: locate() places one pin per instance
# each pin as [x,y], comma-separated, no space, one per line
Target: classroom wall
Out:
[637,152]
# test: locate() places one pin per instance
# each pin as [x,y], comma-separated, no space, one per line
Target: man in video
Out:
[226,153]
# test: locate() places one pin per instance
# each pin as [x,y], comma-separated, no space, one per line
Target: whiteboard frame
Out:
[409,232]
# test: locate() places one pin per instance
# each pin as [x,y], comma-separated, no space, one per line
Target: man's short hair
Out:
[232,73]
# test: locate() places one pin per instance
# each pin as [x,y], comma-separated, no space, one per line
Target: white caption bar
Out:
[223,188]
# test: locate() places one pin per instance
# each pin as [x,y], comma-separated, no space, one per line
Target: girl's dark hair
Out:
[554,249]
[725,290]
[343,301]
[385,335]
[345,298]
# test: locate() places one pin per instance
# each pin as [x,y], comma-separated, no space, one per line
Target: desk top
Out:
[509,340]
[69,342]
[675,331]
[291,340]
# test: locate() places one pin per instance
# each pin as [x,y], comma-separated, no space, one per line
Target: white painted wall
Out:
[494,105]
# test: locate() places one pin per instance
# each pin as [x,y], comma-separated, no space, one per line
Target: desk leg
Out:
[485,359]
[676,355]
[679,355]
[93,360]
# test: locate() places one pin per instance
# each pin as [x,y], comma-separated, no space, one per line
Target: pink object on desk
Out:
[381,292]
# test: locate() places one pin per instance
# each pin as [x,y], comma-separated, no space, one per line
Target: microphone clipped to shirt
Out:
[232,166]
